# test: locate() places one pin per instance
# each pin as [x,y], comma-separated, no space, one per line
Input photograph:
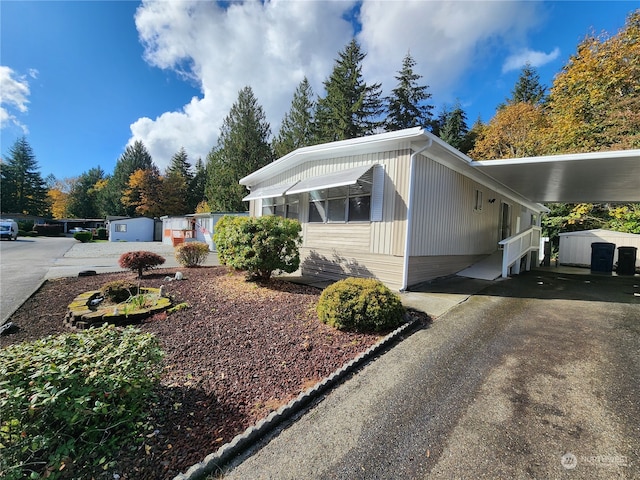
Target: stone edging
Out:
[242,441]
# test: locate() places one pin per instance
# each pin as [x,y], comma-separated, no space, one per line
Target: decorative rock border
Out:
[82,315]
[244,440]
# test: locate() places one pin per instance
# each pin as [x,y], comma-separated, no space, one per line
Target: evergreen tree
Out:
[175,192]
[406,106]
[84,195]
[350,108]
[175,185]
[297,129]
[180,165]
[454,129]
[528,88]
[197,186]
[135,157]
[23,189]
[243,147]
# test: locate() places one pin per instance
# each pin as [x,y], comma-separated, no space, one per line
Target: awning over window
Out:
[268,192]
[331,180]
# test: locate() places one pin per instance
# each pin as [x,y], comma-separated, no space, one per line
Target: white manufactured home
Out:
[403,207]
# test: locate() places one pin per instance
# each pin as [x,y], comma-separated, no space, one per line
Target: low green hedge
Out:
[83,237]
[360,304]
[69,402]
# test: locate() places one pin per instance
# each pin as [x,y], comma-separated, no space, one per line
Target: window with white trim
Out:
[350,203]
[121,227]
[287,207]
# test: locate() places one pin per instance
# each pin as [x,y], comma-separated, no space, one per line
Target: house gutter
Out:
[407,239]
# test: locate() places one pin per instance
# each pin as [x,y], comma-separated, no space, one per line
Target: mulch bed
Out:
[240,351]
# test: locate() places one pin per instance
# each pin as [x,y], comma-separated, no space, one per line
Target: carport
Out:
[599,177]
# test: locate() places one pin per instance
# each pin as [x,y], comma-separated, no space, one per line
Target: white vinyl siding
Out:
[446,220]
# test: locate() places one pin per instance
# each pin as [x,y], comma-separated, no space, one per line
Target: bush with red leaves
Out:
[140,261]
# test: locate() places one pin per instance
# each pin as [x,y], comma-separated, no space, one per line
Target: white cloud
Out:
[272,45]
[269,47]
[14,97]
[531,57]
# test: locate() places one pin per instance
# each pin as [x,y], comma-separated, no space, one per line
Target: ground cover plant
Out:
[235,352]
[69,401]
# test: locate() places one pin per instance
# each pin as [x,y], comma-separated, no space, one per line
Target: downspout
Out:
[407,239]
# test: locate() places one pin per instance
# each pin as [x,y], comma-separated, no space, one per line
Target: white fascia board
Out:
[568,157]
[354,146]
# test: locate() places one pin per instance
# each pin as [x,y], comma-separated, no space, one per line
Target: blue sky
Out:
[82,79]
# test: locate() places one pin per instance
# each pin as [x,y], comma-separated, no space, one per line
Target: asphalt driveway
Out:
[537,376]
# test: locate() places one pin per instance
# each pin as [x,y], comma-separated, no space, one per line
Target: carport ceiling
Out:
[574,178]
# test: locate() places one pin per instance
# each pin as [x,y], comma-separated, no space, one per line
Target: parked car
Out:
[77,229]
[8,229]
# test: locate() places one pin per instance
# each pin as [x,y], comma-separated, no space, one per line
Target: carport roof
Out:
[573,178]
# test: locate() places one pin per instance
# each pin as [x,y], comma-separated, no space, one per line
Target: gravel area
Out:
[239,352]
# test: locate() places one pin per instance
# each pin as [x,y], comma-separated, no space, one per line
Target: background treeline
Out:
[592,105]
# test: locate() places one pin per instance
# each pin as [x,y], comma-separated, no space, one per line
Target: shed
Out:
[404,207]
[128,229]
[575,247]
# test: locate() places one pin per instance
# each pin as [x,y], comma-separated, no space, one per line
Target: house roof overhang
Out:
[573,178]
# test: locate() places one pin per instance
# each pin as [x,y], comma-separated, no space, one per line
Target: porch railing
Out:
[518,246]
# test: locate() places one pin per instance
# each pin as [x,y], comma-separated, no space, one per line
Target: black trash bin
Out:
[626,260]
[602,257]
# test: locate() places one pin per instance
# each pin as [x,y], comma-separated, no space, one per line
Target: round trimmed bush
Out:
[360,304]
[83,237]
[191,254]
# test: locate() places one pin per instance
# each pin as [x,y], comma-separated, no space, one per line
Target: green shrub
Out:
[101,233]
[140,261]
[26,225]
[260,245]
[119,290]
[70,401]
[360,304]
[191,254]
[48,230]
[83,237]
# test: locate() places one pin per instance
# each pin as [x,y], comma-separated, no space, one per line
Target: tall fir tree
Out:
[528,88]
[175,184]
[135,157]
[197,186]
[454,129]
[180,164]
[23,189]
[243,147]
[351,108]
[297,129]
[406,106]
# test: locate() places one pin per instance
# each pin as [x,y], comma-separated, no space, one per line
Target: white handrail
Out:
[518,246]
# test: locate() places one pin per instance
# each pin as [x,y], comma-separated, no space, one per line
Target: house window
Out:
[350,203]
[287,207]
[121,227]
[478,201]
